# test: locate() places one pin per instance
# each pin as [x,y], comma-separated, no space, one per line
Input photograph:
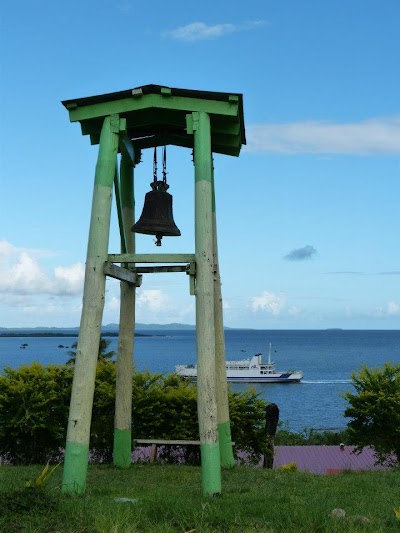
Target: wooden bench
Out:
[154,443]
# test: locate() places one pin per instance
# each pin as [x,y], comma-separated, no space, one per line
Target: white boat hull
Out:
[247,376]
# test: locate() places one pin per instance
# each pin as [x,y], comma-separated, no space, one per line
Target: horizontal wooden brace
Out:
[159,269]
[123,274]
[167,442]
[151,258]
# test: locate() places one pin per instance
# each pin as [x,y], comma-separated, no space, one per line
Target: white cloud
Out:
[22,273]
[392,308]
[6,249]
[268,302]
[152,299]
[199,31]
[294,311]
[389,309]
[69,280]
[373,136]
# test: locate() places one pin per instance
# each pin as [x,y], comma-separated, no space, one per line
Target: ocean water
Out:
[326,357]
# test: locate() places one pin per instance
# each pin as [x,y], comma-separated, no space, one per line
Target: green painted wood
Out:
[127,190]
[122,453]
[222,144]
[160,442]
[78,432]
[125,105]
[75,471]
[126,336]
[122,231]
[151,258]
[122,274]
[168,442]
[223,125]
[153,116]
[224,428]
[126,148]
[156,116]
[205,341]
[210,469]
[159,119]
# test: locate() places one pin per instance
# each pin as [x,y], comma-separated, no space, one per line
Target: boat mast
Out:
[269,353]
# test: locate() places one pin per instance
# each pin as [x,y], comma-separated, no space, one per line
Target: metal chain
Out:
[155,165]
[164,170]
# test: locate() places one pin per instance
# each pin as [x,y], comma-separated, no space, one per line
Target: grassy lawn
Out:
[167,499]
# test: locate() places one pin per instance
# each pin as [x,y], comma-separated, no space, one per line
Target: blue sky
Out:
[308,214]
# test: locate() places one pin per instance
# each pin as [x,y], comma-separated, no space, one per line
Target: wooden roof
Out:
[156,116]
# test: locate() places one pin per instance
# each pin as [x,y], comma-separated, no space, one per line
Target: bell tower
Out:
[123,124]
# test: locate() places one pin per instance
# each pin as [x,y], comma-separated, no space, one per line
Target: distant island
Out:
[108,330]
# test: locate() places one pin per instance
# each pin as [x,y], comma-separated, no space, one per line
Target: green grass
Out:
[168,500]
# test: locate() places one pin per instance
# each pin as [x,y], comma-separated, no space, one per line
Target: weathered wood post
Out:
[78,433]
[224,425]
[123,394]
[271,423]
[204,247]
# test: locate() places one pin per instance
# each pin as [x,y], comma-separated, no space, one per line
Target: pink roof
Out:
[325,459]
[313,459]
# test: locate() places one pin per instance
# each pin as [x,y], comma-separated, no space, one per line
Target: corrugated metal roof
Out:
[313,459]
[325,459]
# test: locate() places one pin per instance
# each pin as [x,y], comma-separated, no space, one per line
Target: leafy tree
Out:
[103,354]
[375,411]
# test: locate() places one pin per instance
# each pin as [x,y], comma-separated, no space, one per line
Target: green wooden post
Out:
[224,425]
[207,405]
[78,434]
[123,397]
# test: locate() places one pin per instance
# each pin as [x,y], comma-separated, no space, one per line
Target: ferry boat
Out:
[249,371]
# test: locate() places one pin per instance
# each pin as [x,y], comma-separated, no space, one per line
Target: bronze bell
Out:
[156,218]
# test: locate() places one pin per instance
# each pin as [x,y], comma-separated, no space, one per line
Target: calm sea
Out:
[327,358]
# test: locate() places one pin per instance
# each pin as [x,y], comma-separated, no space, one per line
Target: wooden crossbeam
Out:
[123,274]
[151,258]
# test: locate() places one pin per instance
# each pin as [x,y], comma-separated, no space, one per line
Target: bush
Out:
[310,437]
[247,415]
[375,411]
[34,404]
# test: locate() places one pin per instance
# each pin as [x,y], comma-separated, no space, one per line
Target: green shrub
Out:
[374,411]
[34,404]
[310,437]
[247,415]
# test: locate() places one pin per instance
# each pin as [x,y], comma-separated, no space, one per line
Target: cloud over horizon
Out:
[301,254]
[199,31]
[270,302]
[21,273]
[376,136]
[391,308]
